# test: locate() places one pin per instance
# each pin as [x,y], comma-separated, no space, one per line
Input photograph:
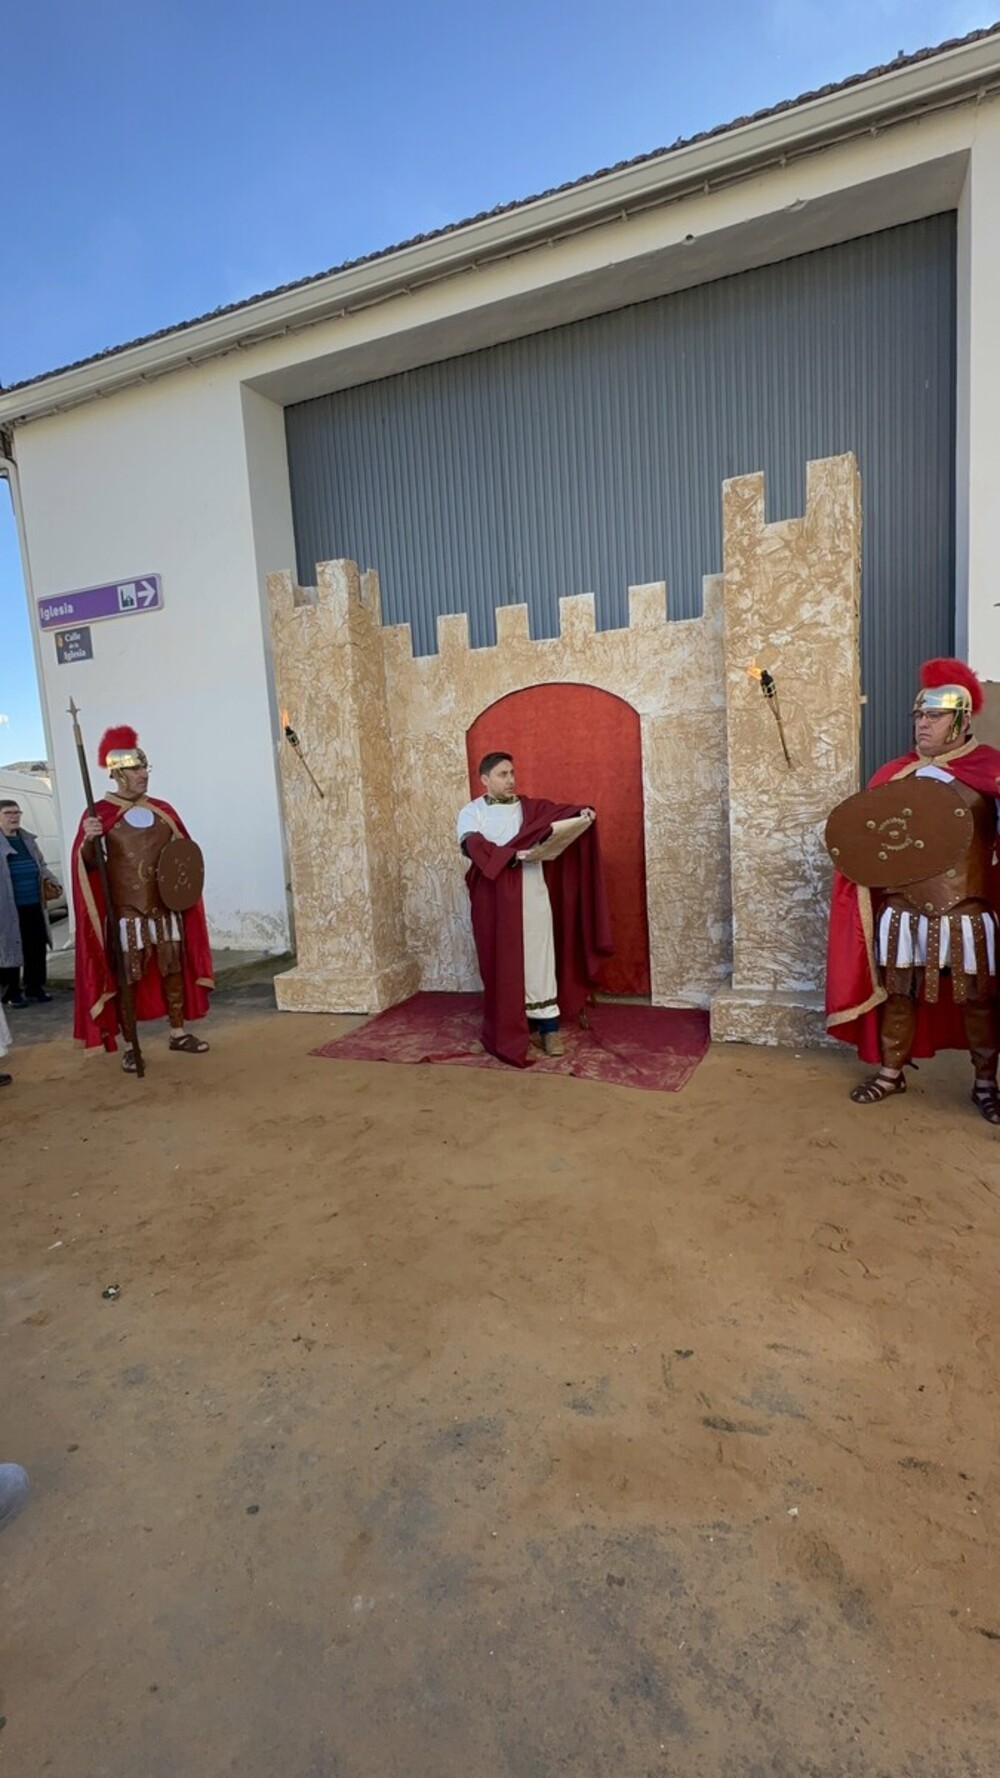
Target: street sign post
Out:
[93,604]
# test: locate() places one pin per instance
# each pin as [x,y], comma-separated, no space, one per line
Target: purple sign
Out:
[122,599]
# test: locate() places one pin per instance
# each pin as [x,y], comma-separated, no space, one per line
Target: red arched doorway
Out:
[576,743]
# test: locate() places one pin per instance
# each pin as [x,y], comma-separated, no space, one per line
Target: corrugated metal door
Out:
[591,456]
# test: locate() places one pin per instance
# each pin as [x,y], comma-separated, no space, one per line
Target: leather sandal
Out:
[189,1044]
[986,1099]
[128,1062]
[880,1086]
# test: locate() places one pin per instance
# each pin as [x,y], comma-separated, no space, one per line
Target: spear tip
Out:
[74,709]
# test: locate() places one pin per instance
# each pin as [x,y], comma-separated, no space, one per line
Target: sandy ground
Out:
[496,1427]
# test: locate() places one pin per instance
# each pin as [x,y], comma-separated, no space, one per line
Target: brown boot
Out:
[552,1043]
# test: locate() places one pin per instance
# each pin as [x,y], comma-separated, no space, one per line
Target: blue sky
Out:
[161,162]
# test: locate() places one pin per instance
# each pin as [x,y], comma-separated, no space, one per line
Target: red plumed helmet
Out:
[942,671]
[117,740]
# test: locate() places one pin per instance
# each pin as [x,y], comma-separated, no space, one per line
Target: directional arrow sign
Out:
[90,605]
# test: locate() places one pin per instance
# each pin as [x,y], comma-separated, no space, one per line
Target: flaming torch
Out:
[296,745]
[768,686]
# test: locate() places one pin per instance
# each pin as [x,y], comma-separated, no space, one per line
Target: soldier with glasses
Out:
[912,959]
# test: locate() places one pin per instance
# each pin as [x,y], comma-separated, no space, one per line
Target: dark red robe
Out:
[580,923]
[854,989]
[96,1018]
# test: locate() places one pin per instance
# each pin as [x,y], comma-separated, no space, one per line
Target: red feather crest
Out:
[116,740]
[943,671]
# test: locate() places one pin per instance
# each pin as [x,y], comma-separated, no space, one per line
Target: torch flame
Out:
[284,718]
[755,672]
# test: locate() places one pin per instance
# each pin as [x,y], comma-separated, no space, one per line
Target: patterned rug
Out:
[655,1047]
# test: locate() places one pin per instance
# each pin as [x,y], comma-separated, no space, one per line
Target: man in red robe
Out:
[167,957]
[881,994]
[541,929]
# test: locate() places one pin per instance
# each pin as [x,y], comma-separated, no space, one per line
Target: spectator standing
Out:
[24,924]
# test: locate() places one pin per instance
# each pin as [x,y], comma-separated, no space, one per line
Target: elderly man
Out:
[533,966]
[24,926]
[166,955]
[914,969]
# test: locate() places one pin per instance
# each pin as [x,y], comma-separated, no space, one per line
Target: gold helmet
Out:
[120,751]
[947,684]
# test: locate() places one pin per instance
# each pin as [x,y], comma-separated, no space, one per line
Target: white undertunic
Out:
[499,822]
[909,955]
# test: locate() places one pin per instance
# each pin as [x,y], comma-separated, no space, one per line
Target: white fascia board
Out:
[956,76]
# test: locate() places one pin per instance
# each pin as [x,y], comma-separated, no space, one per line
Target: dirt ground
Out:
[456,1425]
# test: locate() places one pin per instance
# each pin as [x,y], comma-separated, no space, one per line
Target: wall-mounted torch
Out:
[296,745]
[769,687]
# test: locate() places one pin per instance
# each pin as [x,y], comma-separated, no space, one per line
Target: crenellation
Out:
[397,641]
[647,606]
[743,503]
[577,618]
[512,625]
[453,634]
[371,595]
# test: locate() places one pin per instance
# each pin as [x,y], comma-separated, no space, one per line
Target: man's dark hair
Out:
[491,760]
[8,802]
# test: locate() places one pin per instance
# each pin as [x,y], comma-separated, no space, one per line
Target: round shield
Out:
[900,833]
[180,874]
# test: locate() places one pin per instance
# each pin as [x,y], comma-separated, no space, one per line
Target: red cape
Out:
[580,924]
[95,1014]
[854,990]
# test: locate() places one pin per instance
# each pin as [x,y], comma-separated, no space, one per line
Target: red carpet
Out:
[654,1047]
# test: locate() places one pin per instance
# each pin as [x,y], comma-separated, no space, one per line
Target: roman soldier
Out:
[156,904]
[912,962]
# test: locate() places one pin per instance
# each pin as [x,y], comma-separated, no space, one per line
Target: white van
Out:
[33,791]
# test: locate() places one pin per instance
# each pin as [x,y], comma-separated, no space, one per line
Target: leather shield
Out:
[180,875]
[899,833]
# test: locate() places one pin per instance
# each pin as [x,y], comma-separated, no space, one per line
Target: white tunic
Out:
[909,955]
[499,822]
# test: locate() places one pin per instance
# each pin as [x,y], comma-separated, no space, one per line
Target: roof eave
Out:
[966,73]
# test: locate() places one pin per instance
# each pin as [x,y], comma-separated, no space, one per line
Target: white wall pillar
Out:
[177,480]
[978,453]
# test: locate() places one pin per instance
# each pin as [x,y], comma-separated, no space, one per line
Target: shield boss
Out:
[180,874]
[899,833]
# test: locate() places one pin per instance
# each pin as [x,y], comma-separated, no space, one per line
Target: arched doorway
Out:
[577,743]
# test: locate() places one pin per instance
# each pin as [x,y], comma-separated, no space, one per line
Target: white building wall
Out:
[186,474]
[158,481]
[978,412]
